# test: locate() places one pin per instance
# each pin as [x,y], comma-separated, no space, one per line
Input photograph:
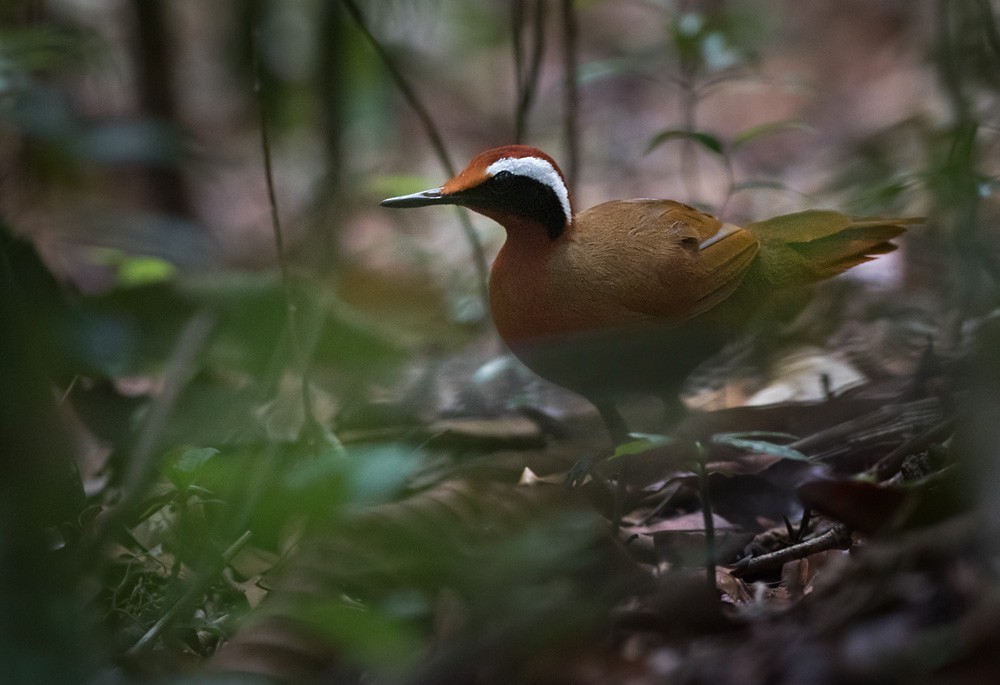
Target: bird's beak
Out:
[434,196]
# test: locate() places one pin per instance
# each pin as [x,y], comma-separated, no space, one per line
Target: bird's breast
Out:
[542,290]
[521,295]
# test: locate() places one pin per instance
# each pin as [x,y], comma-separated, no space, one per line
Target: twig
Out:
[570,94]
[193,591]
[889,465]
[690,169]
[529,84]
[69,388]
[279,245]
[897,417]
[437,143]
[517,42]
[989,25]
[332,63]
[838,537]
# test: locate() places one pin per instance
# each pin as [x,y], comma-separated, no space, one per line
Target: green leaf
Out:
[192,460]
[760,185]
[133,270]
[595,70]
[144,270]
[378,472]
[751,442]
[365,474]
[706,140]
[643,442]
[185,470]
[769,129]
[31,48]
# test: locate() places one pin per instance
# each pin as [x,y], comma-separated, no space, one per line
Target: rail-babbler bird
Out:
[630,295]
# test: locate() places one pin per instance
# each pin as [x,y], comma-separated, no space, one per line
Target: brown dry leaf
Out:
[253,561]
[530,478]
[794,378]
[820,563]
[747,464]
[682,523]
[156,528]
[687,548]
[733,589]
[795,576]
[511,431]
[508,432]
[255,594]
[808,375]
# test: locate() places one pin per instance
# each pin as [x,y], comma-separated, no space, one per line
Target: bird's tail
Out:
[810,246]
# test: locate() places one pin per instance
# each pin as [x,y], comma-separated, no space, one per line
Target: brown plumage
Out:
[631,295]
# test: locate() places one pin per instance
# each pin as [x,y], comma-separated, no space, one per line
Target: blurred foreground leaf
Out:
[753,441]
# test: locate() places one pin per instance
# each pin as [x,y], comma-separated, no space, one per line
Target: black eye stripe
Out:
[527,197]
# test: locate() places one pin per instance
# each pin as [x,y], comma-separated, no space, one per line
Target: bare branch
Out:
[517,41]
[437,143]
[529,84]
[297,352]
[838,537]
[571,96]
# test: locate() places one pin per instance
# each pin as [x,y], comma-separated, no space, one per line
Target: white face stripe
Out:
[539,170]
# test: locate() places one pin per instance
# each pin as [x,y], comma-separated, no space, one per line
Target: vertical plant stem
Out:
[706,512]
[961,196]
[291,310]
[689,152]
[517,42]
[332,96]
[570,94]
[529,84]
[990,26]
[437,144]
[727,162]
[157,84]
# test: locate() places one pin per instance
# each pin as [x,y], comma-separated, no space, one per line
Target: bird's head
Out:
[513,185]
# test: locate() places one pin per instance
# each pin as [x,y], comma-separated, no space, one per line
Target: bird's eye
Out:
[500,183]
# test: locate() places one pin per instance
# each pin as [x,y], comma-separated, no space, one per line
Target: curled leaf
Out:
[768,129]
[642,442]
[706,140]
[753,441]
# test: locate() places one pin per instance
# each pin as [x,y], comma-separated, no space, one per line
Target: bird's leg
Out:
[673,409]
[617,429]
[613,421]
